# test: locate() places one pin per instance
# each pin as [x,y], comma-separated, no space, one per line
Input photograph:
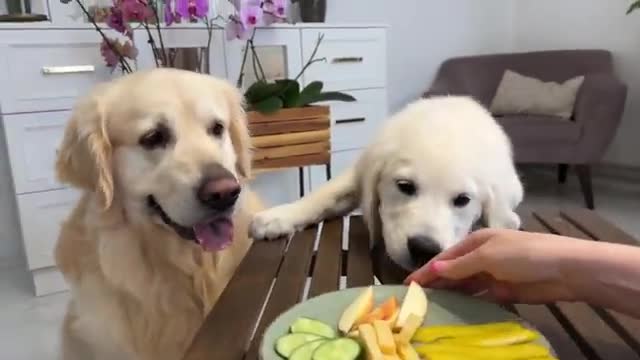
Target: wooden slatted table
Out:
[274,276]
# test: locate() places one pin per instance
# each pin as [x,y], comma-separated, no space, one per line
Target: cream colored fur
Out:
[447,146]
[139,291]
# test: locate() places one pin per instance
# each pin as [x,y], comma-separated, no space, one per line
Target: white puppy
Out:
[434,169]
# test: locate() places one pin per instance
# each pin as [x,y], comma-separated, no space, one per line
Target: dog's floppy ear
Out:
[499,205]
[369,169]
[239,130]
[85,155]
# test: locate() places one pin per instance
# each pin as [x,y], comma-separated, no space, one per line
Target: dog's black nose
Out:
[423,249]
[220,190]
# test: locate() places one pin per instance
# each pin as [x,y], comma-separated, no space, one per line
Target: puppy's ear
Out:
[85,155]
[500,203]
[369,169]
[239,130]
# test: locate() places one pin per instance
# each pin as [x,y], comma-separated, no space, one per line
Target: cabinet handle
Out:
[351,120]
[344,60]
[76,69]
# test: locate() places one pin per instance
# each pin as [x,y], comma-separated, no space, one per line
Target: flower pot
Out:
[313,10]
[291,137]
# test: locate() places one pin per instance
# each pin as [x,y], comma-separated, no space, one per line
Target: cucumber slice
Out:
[340,349]
[305,352]
[288,343]
[311,326]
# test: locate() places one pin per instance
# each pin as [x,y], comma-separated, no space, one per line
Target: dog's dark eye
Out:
[461,200]
[407,187]
[216,129]
[156,138]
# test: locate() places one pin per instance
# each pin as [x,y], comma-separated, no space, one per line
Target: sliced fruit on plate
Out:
[385,337]
[361,306]
[410,327]
[311,326]
[338,349]
[415,302]
[305,352]
[387,311]
[432,333]
[288,343]
[369,340]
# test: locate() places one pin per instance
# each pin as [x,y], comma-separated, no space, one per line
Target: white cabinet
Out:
[356,59]
[41,215]
[44,71]
[32,143]
[45,68]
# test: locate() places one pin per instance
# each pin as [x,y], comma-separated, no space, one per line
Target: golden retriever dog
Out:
[162,157]
[433,171]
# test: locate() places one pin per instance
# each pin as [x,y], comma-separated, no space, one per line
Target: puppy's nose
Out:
[422,249]
[220,191]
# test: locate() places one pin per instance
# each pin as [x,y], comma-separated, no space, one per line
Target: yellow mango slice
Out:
[494,338]
[522,351]
[432,333]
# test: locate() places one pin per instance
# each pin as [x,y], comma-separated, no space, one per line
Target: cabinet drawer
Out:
[32,141]
[48,70]
[41,215]
[354,124]
[356,58]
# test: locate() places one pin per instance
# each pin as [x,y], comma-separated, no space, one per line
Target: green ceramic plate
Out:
[444,308]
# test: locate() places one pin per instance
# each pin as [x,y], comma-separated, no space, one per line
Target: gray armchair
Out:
[578,143]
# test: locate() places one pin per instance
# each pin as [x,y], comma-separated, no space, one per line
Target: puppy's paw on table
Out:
[275,223]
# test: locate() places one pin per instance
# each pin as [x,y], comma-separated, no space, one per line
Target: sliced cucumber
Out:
[305,352]
[340,349]
[311,326]
[288,343]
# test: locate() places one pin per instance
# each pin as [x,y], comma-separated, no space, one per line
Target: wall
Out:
[423,33]
[553,24]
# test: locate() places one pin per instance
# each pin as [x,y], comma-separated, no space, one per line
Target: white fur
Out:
[446,146]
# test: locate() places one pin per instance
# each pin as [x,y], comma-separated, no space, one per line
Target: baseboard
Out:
[622,174]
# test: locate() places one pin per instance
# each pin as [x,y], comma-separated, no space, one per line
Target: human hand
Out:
[503,265]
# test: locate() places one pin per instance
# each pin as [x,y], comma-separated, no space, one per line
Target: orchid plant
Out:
[635,5]
[125,16]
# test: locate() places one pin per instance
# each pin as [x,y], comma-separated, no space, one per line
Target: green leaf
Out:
[633,7]
[309,93]
[268,106]
[290,92]
[333,96]
[262,90]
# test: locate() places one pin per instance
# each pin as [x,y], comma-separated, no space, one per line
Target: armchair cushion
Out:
[519,94]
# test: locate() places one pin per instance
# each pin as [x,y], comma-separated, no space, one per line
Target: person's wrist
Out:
[575,262]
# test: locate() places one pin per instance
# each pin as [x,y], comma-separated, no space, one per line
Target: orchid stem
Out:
[123,62]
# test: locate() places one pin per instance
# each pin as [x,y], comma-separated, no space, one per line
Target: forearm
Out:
[606,275]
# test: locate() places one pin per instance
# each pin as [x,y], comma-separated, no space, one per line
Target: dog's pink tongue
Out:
[214,235]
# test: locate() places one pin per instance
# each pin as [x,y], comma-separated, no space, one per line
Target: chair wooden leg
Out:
[584,176]
[562,173]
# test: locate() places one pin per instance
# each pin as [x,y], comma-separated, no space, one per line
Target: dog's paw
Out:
[274,223]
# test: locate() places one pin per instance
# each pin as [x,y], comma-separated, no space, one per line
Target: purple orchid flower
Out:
[250,16]
[116,20]
[277,8]
[135,11]
[192,9]
[235,29]
[110,56]
[170,17]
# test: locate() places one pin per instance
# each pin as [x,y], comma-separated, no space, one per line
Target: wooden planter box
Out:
[291,137]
